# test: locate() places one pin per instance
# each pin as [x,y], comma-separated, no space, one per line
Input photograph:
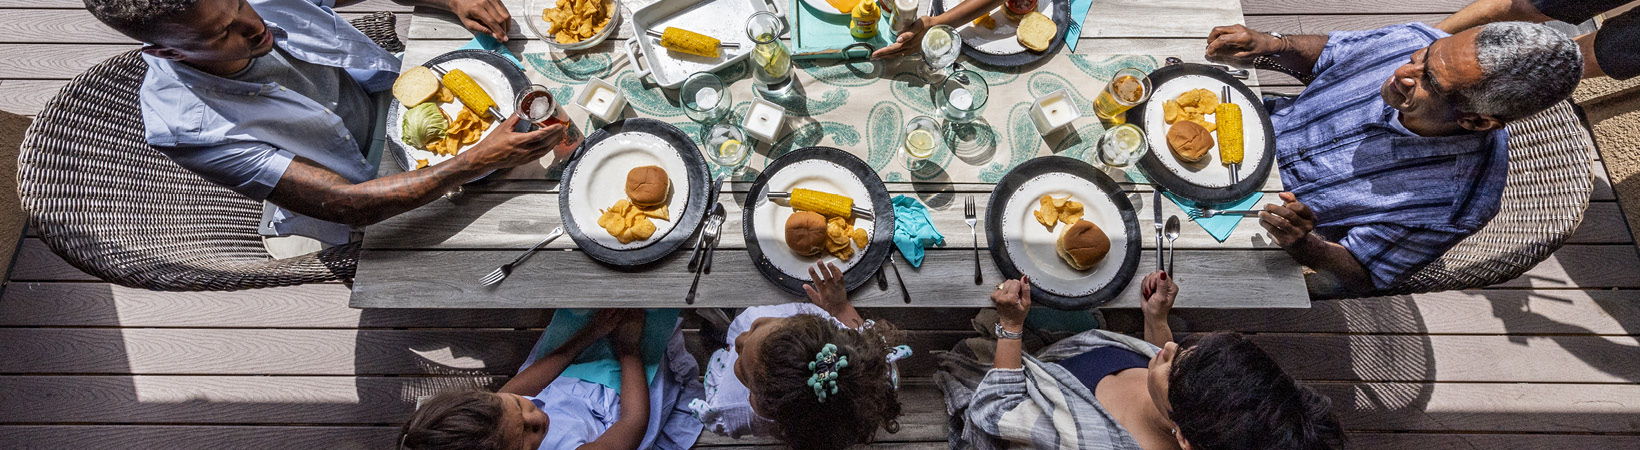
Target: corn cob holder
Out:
[469,92]
[823,203]
[691,42]
[1228,116]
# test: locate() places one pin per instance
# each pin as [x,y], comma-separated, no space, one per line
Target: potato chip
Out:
[1193,105]
[421,163]
[658,212]
[860,238]
[845,253]
[643,229]
[572,21]
[837,231]
[1171,111]
[445,95]
[1071,213]
[1046,212]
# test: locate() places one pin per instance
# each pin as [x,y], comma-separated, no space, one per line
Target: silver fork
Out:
[709,237]
[971,216]
[1208,213]
[501,273]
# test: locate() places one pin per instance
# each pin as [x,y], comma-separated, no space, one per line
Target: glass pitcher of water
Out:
[771,61]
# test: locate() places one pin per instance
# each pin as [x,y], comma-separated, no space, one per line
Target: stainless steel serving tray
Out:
[721,19]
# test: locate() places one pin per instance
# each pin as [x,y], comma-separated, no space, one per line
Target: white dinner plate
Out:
[599,181]
[769,217]
[1033,248]
[1208,172]
[489,78]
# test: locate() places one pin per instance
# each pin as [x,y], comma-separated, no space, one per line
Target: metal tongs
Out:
[858,211]
[1235,168]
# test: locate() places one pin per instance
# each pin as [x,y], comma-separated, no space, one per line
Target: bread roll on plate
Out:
[1083,245]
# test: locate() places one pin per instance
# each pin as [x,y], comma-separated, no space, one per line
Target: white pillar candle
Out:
[961,99]
[1054,111]
[600,99]
[764,120]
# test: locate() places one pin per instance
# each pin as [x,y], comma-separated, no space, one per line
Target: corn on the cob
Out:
[690,42]
[1228,116]
[823,203]
[469,92]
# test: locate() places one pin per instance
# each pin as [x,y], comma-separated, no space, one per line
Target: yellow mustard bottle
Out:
[865,17]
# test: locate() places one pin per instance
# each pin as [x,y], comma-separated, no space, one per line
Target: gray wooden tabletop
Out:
[433,256]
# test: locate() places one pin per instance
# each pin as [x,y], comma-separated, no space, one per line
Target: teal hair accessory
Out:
[825,367]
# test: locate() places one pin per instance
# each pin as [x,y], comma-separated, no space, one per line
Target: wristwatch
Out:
[1005,334]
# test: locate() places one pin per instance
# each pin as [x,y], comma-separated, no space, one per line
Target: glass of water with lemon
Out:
[726,146]
[920,142]
[1122,145]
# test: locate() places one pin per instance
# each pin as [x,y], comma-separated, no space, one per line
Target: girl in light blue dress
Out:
[578,391]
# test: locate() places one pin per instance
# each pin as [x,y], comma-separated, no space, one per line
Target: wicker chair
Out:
[114,207]
[1547,192]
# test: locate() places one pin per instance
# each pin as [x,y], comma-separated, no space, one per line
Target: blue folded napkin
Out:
[913,230]
[1079,14]
[597,363]
[1219,227]
[485,42]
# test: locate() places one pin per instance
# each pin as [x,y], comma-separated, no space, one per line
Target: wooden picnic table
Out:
[433,257]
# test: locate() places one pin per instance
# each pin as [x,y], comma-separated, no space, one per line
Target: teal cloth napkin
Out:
[1219,227]
[597,363]
[485,42]
[1079,14]
[913,230]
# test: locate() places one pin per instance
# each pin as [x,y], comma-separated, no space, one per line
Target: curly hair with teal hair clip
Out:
[825,367]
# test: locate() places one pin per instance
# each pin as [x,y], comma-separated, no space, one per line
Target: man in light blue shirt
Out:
[272,98]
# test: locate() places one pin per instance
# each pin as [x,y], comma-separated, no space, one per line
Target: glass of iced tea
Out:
[1128,88]
[536,106]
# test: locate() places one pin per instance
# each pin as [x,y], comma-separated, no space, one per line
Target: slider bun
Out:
[647,186]
[1083,245]
[1189,141]
[806,233]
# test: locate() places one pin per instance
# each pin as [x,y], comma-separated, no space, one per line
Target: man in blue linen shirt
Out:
[272,98]
[1396,151]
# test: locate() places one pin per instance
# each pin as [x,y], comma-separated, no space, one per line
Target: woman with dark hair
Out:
[1103,390]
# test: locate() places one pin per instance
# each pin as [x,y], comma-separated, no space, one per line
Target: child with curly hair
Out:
[568,399]
[815,375]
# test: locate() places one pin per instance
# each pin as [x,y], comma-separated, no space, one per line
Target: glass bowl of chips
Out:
[572,24]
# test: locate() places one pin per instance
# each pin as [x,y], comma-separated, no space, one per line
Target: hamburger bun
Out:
[415,85]
[1189,141]
[648,186]
[806,233]
[1083,245]
[1036,31]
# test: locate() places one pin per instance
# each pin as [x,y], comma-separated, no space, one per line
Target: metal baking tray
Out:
[722,19]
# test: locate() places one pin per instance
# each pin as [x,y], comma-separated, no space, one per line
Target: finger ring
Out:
[1002,285]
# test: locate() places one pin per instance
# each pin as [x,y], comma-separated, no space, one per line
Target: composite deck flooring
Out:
[1546,361]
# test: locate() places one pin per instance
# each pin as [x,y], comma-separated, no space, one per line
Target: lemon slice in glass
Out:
[919,144]
[729,149]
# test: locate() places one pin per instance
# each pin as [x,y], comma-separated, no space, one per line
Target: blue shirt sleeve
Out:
[249,168]
[1391,252]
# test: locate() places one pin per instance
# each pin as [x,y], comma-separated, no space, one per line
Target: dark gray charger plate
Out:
[1061,17]
[1251,181]
[1009,185]
[882,233]
[682,230]
[515,77]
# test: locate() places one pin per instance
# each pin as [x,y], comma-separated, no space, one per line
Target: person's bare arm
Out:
[1013,303]
[1483,12]
[910,41]
[1238,45]
[538,375]
[479,16]
[628,430]
[314,191]
[1158,291]
[1292,225]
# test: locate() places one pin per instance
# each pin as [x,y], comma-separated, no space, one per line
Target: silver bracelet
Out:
[1005,334]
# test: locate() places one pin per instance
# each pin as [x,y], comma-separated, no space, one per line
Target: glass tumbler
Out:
[962,96]
[705,98]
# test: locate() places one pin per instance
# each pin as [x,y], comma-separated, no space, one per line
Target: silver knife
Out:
[494,113]
[1157,209]
[858,211]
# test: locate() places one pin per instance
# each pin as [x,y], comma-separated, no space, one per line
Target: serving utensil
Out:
[1156,210]
[1205,213]
[787,196]
[1172,233]
[501,273]
[903,293]
[713,224]
[1240,74]
[971,216]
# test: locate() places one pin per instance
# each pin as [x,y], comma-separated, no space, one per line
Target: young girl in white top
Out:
[815,375]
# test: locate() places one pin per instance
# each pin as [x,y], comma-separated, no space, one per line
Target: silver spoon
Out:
[1171,230]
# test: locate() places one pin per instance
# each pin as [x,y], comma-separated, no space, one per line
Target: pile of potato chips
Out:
[839,234]
[1193,105]
[1054,211]
[630,223]
[575,20]
[464,131]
